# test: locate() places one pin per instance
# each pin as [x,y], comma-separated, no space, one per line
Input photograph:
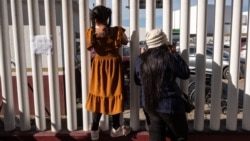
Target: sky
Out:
[142,12]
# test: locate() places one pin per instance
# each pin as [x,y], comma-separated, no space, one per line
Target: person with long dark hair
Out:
[105,94]
[158,69]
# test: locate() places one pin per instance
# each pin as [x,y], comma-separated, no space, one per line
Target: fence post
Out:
[184,37]
[68,45]
[7,103]
[217,65]
[201,64]
[167,10]
[134,52]
[233,81]
[246,102]
[85,58]
[150,14]
[21,74]
[50,22]
[36,61]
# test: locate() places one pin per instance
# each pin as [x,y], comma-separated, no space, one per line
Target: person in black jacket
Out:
[157,70]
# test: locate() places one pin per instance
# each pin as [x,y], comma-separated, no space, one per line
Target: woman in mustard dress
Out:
[106,85]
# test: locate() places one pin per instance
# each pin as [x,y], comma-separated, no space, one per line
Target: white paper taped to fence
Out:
[41,44]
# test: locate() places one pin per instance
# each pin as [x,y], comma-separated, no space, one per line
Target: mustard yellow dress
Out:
[106,83]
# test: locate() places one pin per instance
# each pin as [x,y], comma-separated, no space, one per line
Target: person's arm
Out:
[181,68]
[121,36]
[89,39]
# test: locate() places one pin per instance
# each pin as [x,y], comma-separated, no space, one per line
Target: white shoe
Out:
[126,130]
[121,131]
[94,135]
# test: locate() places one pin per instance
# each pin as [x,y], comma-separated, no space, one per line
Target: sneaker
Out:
[121,131]
[94,135]
[126,130]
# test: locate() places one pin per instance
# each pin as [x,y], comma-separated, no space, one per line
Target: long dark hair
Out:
[103,15]
[155,63]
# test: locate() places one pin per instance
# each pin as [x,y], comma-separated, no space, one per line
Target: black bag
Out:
[189,106]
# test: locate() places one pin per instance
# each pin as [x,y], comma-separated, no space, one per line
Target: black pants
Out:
[176,125]
[97,117]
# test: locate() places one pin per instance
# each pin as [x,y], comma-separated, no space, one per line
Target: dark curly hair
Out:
[103,15]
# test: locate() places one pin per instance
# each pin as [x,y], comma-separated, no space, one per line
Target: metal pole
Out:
[201,64]
[134,49]
[167,18]
[36,59]
[50,22]
[68,38]
[100,2]
[104,119]
[117,21]
[85,58]
[233,81]
[116,12]
[246,102]
[5,70]
[217,65]
[21,75]
[184,37]
[150,15]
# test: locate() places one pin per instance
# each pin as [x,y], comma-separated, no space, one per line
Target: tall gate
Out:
[43,84]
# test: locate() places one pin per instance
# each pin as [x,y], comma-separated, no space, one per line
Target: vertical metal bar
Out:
[217,65]
[19,49]
[68,38]
[36,61]
[117,21]
[246,102]
[50,22]
[5,70]
[201,64]
[167,19]
[134,43]
[184,37]
[85,57]
[104,119]
[116,12]
[100,2]
[150,12]
[233,81]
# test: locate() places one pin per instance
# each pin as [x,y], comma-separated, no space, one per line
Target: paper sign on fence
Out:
[41,44]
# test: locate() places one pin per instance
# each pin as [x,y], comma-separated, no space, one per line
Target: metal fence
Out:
[13,44]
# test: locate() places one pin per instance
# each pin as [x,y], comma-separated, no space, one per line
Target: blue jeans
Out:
[173,126]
